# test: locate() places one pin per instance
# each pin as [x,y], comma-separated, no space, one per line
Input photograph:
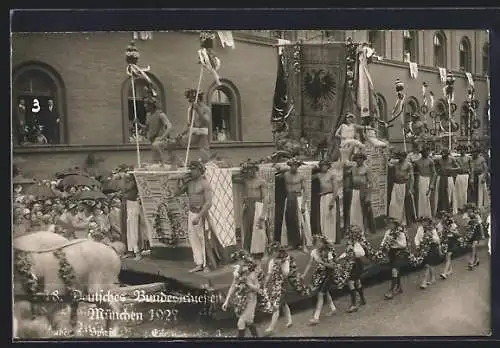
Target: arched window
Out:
[224,101]
[382,114]
[486,58]
[410,46]
[465,56]
[377,39]
[439,43]
[128,106]
[38,105]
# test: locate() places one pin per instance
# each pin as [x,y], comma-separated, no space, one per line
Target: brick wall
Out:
[92,66]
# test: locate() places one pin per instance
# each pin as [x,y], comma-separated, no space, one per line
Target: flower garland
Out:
[24,266]
[277,279]
[322,272]
[240,298]
[66,272]
[425,246]
[165,211]
[465,240]
[295,281]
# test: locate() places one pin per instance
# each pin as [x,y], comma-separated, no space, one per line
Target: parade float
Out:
[316,85]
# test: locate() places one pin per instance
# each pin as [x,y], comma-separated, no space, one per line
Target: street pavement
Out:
[458,306]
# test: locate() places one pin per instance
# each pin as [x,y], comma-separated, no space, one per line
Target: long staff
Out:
[192,117]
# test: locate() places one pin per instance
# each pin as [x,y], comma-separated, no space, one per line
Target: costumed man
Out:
[243,291]
[462,179]
[445,185]
[347,134]
[425,174]
[278,269]
[295,224]
[358,185]
[131,197]
[254,209]
[478,190]
[159,128]
[328,195]
[428,242]
[356,245]
[402,187]
[202,115]
[395,242]
[199,194]
[324,257]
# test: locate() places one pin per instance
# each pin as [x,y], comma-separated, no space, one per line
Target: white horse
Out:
[96,267]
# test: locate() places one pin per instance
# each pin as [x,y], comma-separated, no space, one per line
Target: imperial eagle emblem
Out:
[320,88]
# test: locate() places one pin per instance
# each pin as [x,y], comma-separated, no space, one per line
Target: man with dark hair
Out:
[445,186]
[402,187]
[201,123]
[462,179]
[159,128]
[425,174]
[477,180]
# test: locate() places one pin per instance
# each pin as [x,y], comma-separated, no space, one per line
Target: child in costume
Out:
[323,255]
[448,230]
[356,244]
[428,244]
[473,236]
[244,288]
[396,246]
[278,271]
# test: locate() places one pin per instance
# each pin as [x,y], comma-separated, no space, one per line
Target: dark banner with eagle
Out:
[310,88]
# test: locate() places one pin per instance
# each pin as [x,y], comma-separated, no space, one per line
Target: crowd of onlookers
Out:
[95,209]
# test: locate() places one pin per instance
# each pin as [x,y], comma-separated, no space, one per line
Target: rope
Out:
[192,118]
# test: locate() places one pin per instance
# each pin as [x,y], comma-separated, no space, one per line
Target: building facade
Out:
[76,83]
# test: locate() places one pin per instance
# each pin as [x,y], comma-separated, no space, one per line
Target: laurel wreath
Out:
[66,272]
[24,266]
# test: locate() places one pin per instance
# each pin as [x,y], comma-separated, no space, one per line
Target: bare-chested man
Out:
[158,132]
[200,200]
[477,180]
[462,179]
[358,194]
[254,209]
[446,169]
[328,194]
[201,124]
[402,187]
[425,175]
[295,231]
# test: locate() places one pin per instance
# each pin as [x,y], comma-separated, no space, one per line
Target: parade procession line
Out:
[177,276]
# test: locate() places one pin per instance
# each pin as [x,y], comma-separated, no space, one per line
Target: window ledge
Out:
[401,64]
[126,147]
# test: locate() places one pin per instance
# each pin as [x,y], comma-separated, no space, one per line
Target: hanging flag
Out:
[470,79]
[442,74]
[207,57]
[281,105]
[413,70]
[226,38]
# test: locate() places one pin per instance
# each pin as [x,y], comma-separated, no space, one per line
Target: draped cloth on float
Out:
[154,189]
[328,216]
[443,194]
[254,236]
[479,191]
[268,174]
[423,199]
[397,204]
[296,228]
[221,213]
[356,216]
[460,196]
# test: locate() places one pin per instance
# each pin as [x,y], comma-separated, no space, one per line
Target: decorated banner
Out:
[377,163]
[316,83]
[165,215]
